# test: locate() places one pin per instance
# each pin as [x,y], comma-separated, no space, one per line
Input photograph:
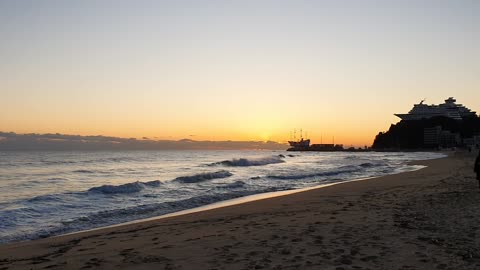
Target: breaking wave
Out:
[125,188]
[201,177]
[245,162]
[309,175]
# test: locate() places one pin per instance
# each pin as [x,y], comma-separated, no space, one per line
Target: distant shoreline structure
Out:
[304,145]
[323,147]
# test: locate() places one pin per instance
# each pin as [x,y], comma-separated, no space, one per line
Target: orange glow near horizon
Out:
[232,71]
[249,133]
[263,122]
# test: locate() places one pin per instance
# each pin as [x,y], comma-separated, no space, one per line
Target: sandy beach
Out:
[426,219]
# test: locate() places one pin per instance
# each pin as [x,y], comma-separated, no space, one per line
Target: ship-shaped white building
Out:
[448,109]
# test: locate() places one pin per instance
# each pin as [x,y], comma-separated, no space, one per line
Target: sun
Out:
[265,136]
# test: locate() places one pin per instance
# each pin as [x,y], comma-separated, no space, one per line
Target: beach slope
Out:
[426,219]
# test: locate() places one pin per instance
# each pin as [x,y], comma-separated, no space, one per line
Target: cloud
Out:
[35,142]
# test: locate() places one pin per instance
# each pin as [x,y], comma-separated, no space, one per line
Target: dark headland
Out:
[428,127]
[424,127]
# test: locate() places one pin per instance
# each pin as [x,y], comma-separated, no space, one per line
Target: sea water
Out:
[50,193]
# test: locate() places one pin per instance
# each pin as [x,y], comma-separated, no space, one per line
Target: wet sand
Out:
[427,219]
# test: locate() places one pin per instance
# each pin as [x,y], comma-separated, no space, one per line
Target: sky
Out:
[232,70]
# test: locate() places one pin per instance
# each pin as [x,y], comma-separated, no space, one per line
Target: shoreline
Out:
[225,203]
[217,205]
[266,232]
[228,203]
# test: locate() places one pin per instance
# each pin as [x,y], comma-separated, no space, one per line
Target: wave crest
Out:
[309,175]
[201,177]
[246,162]
[125,188]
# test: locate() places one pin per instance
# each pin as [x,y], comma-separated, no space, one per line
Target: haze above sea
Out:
[50,193]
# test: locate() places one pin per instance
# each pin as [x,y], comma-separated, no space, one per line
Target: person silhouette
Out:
[476,168]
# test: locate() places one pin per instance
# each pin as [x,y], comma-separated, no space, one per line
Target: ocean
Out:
[50,193]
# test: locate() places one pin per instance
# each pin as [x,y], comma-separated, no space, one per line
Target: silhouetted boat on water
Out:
[301,144]
[304,145]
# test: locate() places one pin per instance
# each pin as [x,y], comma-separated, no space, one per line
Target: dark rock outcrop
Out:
[410,134]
